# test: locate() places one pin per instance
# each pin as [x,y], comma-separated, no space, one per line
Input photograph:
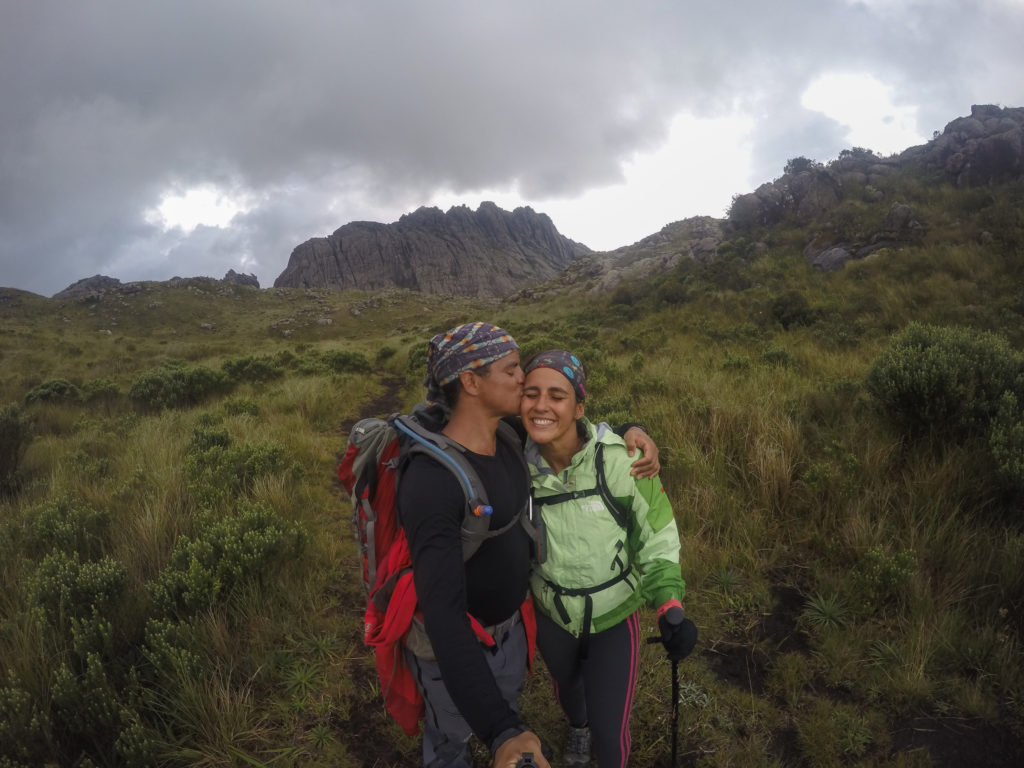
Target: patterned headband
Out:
[567,364]
[468,347]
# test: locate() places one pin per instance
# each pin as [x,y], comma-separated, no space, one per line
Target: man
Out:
[470,686]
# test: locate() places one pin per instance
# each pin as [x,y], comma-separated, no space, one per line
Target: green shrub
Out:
[204,438]
[86,700]
[672,292]
[24,728]
[416,361]
[341,361]
[1006,442]
[253,369]
[87,465]
[100,390]
[218,471]
[54,391]
[384,354]
[168,647]
[947,380]
[879,578]
[228,552]
[241,406]
[792,308]
[176,387]
[285,359]
[774,355]
[625,295]
[68,525]
[15,436]
[63,587]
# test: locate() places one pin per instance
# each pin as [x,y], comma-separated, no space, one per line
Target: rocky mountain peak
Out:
[487,252]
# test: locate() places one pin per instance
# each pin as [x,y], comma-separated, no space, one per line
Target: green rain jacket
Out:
[587,547]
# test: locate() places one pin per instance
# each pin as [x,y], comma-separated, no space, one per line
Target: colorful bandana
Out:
[465,348]
[567,364]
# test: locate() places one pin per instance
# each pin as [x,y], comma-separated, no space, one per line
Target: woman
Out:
[612,546]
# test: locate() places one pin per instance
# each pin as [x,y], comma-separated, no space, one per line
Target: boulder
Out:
[234,278]
[89,288]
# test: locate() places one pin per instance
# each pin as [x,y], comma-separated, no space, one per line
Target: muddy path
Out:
[387,402]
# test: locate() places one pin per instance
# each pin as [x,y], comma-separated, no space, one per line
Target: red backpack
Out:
[376,454]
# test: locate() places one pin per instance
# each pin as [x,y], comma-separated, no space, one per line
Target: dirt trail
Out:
[386,403]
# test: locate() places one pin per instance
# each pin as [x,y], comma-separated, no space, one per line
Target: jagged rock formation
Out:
[89,287]
[233,278]
[93,288]
[695,238]
[986,147]
[489,252]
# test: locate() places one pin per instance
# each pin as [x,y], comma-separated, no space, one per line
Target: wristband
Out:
[664,608]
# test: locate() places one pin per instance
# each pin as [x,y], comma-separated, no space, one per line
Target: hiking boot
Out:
[577,747]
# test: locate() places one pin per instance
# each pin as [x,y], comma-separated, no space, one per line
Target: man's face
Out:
[502,387]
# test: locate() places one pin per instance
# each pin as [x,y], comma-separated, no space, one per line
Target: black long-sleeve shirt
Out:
[491,585]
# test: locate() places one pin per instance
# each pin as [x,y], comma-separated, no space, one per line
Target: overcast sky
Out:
[143,139]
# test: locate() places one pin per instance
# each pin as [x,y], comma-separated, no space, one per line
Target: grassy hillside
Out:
[843,451]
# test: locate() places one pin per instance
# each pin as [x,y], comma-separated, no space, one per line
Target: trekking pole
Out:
[684,638]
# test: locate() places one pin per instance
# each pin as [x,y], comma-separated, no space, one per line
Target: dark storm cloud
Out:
[327,111]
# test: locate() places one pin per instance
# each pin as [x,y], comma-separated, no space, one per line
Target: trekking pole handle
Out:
[675,618]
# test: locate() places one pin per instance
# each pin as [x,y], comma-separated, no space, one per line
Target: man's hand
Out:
[508,754]
[648,464]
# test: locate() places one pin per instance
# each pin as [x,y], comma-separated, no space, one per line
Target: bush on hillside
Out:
[672,292]
[1006,442]
[800,164]
[219,471]
[745,213]
[54,391]
[241,406]
[253,368]
[204,571]
[341,361]
[176,387]
[949,381]
[77,603]
[879,579]
[24,728]
[791,309]
[64,588]
[100,391]
[69,525]
[625,295]
[15,436]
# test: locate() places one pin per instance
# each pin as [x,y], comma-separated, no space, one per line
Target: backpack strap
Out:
[587,594]
[615,508]
[450,454]
[620,513]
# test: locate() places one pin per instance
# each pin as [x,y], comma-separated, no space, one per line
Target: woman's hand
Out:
[648,464]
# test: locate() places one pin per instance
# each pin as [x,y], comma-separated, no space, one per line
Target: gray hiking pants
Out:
[445,731]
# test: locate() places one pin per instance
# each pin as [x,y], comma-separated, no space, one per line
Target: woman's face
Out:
[549,408]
